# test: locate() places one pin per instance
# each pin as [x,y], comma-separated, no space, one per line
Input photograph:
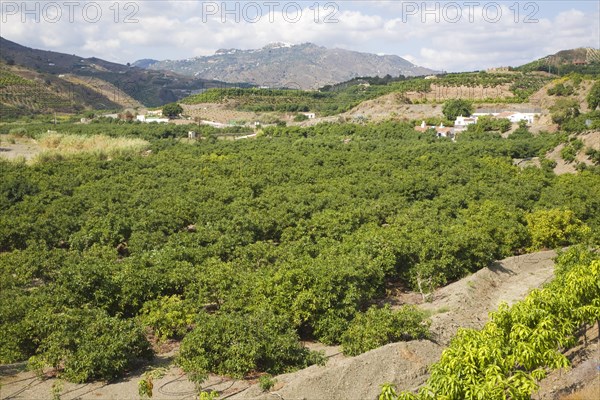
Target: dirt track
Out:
[14,148]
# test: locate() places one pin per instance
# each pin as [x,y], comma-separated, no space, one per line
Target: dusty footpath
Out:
[465,303]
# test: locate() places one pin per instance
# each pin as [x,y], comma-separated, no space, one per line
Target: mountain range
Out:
[302,66]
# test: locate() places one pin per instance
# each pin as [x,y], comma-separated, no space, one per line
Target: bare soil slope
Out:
[589,139]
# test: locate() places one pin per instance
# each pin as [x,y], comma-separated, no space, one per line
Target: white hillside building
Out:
[519,116]
[461,123]
[512,116]
[143,118]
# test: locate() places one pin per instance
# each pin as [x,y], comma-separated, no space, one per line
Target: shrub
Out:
[169,317]
[235,344]
[555,228]
[379,326]
[88,344]
[266,382]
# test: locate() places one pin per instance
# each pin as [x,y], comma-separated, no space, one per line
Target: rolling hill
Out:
[582,60]
[149,87]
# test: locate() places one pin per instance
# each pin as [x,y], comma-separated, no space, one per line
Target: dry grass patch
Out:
[60,144]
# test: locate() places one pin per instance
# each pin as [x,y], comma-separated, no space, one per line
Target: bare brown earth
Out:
[390,105]
[589,139]
[443,93]
[13,148]
[104,88]
[582,382]
[461,304]
[222,113]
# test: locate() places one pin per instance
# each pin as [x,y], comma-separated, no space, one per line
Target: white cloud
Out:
[183,29]
[481,44]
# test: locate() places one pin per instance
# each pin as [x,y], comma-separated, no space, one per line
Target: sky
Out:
[443,35]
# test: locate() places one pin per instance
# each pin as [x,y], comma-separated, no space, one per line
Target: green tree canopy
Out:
[555,228]
[457,107]
[593,98]
[172,110]
[564,109]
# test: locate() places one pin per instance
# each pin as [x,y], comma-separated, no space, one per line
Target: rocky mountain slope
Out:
[303,66]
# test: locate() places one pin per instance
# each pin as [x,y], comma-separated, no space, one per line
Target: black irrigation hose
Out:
[19,380]
[234,393]
[186,393]
[18,392]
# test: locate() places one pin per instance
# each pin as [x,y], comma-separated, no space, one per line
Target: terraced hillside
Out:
[25,92]
[515,87]
[151,88]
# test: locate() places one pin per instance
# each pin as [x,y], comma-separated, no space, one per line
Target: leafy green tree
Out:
[561,90]
[379,326]
[172,110]
[169,317]
[593,98]
[563,110]
[569,152]
[490,124]
[87,344]
[235,344]
[300,117]
[521,344]
[457,107]
[522,132]
[555,228]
